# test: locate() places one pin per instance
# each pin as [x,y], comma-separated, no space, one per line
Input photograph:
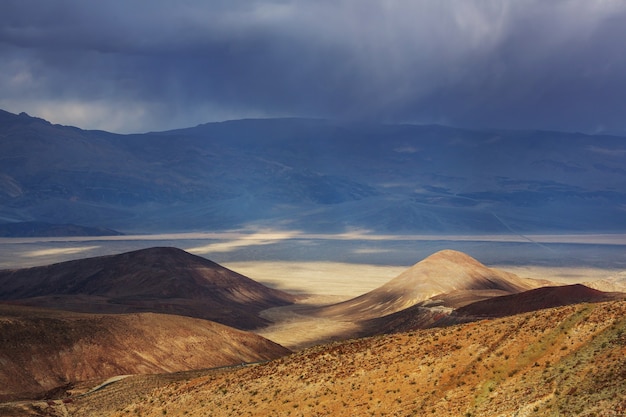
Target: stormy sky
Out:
[145,65]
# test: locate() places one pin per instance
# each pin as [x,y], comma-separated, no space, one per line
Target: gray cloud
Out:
[147,65]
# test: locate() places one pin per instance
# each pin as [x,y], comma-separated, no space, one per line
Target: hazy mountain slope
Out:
[312,175]
[162,280]
[36,229]
[444,272]
[562,361]
[45,349]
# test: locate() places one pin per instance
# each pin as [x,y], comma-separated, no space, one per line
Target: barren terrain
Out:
[46,349]
[562,361]
[323,287]
[449,275]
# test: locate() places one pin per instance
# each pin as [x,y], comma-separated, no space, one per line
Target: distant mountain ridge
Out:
[313,175]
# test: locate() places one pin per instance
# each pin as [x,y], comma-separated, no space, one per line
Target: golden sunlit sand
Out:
[320,283]
[335,279]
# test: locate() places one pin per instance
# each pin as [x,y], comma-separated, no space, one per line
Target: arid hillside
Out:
[41,350]
[536,299]
[449,275]
[160,280]
[568,361]
[428,314]
[565,358]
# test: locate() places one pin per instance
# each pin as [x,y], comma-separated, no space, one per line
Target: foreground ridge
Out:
[562,361]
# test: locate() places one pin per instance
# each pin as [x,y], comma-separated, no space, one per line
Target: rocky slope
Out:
[560,361]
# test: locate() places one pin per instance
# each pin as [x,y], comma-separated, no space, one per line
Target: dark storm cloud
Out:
[147,65]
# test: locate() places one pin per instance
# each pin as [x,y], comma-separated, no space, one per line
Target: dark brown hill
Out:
[445,272]
[430,314]
[160,280]
[536,299]
[44,349]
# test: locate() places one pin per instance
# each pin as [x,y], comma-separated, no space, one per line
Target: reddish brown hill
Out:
[536,299]
[445,272]
[161,280]
[44,349]
[429,314]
